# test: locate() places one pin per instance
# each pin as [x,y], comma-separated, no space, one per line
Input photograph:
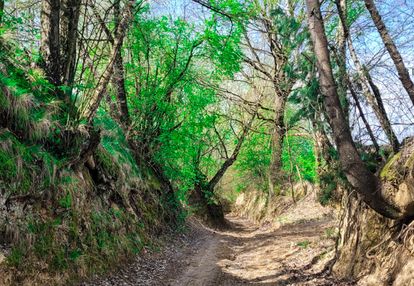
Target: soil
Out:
[291,251]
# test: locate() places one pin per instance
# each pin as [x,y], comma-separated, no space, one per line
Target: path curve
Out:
[245,254]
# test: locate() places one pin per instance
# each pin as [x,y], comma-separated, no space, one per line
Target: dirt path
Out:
[292,253]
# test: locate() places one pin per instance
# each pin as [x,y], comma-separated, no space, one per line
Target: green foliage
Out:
[16,256]
[26,105]
[329,185]
[355,10]
[174,114]
[115,150]
[330,178]
[178,124]
[370,159]
[24,168]
[298,151]
[66,201]
[254,161]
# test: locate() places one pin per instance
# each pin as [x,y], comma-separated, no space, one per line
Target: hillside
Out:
[206,142]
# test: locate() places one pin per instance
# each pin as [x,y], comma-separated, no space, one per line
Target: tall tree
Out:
[363,117]
[365,183]
[391,48]
[273,58]
[58,48]
[341,58]
[68,41]
[119,73]
[373,97]
[50,40]
[93,103]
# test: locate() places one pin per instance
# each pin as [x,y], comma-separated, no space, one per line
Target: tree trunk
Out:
[50,40]
[341,60]
[374,100]
[93,104]
[118,77]
[278,135]
[205,190]
[229,161]
[391,48]
[364,119]
[356,172]
[68,41]
[212,211]
[377,94]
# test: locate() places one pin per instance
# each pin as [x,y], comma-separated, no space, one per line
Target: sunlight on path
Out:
[294,252]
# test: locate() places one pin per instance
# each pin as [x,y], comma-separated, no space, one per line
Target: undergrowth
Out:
[73,228]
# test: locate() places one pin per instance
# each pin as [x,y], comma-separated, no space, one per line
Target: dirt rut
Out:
[284,253]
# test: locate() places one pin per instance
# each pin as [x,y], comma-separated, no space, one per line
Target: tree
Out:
[101,88]
[391,48]
[275,59]
[364,182]
[119,73]
[342,36]
[373,97]
[59,34]
[50,40]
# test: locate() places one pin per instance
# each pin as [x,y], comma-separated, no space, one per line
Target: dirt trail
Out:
[290,253]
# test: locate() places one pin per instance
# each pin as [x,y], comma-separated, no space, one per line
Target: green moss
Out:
[114,141]
[389,172]
[107,162]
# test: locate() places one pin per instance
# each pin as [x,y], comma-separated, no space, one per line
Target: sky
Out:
[399,18]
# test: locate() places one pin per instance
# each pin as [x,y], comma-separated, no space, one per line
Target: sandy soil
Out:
[293,251]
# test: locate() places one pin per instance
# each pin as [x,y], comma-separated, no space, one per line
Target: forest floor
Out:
[294,252]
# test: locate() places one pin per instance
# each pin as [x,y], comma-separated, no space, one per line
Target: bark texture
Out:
[278,135]
[50,40]
[100,91]
[69,39]
[391,48]
[374,98]
[341,59]
[356,172]
[118,77]
[59,37]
